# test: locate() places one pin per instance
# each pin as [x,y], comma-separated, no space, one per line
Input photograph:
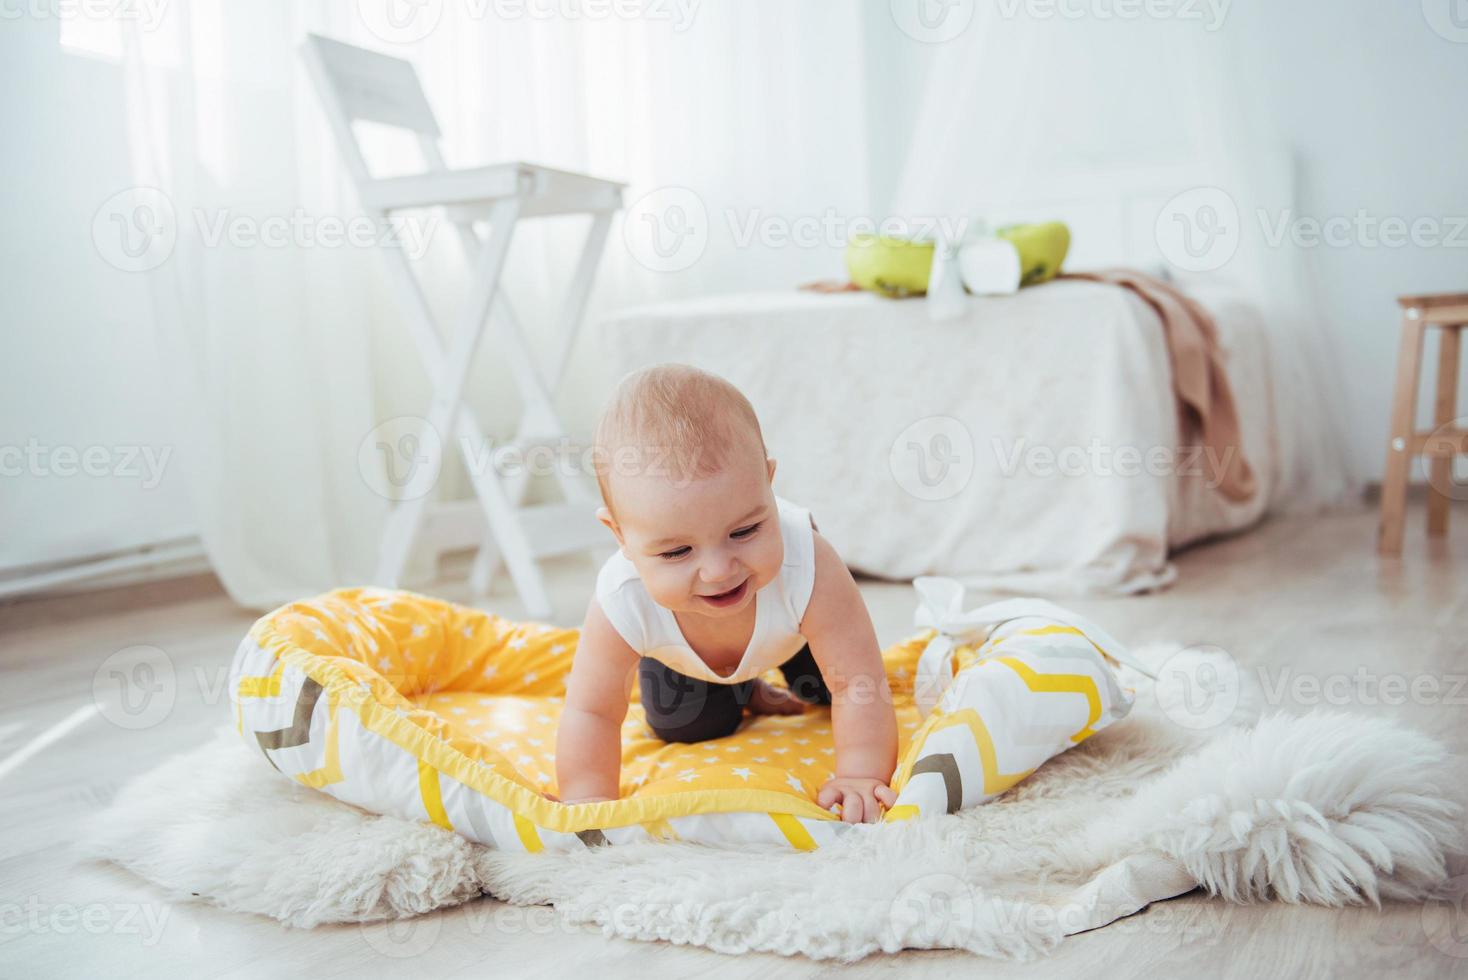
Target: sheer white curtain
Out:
[283,354]
[1138,131]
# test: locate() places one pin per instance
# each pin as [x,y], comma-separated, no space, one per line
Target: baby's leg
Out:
[804,679]
[680,708]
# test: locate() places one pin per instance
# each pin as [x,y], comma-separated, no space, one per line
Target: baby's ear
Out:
[604,515]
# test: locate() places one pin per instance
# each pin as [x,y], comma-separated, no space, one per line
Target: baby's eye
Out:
[745,532]
[675,554]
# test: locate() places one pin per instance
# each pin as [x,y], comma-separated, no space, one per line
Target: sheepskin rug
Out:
[1251,810]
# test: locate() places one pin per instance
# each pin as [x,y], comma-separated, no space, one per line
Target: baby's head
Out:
[686,486]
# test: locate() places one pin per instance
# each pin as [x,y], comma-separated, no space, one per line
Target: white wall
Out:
[1374,101]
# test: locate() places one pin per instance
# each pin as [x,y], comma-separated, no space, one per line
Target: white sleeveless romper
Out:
[652,631]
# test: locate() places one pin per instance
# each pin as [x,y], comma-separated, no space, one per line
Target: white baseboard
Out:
[163,559]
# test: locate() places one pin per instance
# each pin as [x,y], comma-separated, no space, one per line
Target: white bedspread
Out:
[1056,472]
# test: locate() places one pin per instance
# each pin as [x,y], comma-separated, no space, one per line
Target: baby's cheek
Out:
[665,586]
[771,556]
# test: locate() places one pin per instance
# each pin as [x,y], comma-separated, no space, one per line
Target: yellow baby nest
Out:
[423,709]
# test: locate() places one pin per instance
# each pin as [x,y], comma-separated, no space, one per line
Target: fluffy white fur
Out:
[1329,808]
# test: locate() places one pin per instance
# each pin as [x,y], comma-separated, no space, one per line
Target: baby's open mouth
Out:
[727,598]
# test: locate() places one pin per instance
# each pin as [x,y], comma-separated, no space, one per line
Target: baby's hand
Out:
[861,799]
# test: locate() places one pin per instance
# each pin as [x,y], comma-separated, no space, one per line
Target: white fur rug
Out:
[1329,808]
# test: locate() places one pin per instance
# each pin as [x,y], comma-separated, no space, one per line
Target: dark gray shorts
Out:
[680,708]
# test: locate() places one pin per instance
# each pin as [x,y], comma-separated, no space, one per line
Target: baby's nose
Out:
[718,569]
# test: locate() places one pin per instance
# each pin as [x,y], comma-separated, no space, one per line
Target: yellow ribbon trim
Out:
[661,830]
[794,832]
[528,835]
[432,795]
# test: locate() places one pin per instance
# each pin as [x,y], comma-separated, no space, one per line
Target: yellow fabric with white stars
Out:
[493,689]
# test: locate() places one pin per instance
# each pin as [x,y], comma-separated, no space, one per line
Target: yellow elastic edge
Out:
[794,832]
[432,795]
[904,812]
[520,800]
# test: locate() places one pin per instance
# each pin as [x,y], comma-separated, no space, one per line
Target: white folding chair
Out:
[356,84]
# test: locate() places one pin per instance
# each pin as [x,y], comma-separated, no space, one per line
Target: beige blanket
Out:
[1204,396]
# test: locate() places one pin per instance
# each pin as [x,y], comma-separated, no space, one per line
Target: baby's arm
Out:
[589,740]
[844,644]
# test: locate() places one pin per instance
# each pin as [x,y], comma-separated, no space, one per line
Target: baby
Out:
[717,580]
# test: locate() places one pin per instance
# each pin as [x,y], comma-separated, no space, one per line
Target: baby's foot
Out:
[767,699]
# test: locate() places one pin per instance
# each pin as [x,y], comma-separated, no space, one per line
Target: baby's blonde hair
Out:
[675,419]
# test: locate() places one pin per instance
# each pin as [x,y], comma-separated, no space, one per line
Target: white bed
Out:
[1078,368]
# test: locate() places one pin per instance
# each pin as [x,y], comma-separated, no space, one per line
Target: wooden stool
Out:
[1448,312]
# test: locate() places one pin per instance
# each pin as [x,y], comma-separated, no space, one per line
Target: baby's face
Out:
[706,546]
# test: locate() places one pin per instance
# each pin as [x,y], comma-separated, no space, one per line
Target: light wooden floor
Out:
[1293,599]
